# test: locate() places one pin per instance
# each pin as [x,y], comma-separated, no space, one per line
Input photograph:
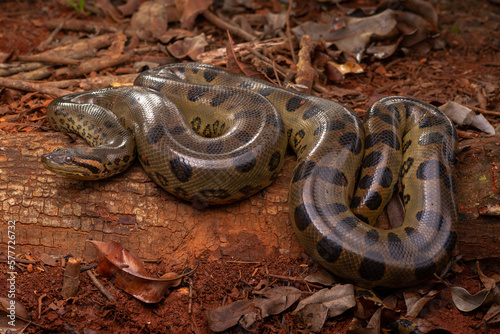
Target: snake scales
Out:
[229,142]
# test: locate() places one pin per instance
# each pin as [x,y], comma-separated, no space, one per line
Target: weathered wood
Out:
[55,215]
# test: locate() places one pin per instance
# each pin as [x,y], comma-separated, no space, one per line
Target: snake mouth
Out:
[66,165]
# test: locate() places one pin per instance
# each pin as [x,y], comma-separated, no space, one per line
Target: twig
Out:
[43,45]
[100,286]
[32,87]
[49,59]
[486,112]
[90,266]
[45,128]
[40,305]
[288,32]
[234,30]
[289,278]
[95,64]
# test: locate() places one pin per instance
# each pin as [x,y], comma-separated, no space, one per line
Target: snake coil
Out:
[229,142]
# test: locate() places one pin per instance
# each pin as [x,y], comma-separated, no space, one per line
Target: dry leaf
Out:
[190,9]
[315,309]
[129,273]
[247,312]
[189,46]
[13,316]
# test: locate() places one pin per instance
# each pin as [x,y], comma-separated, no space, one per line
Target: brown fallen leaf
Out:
[13,316]
[189,46]
[247,312]
[129,273]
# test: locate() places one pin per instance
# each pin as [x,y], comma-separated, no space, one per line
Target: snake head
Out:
[74,163]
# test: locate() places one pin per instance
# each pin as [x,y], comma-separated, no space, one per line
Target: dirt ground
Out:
[466,69]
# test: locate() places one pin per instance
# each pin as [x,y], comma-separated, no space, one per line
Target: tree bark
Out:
[56,215]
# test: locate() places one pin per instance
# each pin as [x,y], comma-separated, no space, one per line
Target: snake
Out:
[210,136]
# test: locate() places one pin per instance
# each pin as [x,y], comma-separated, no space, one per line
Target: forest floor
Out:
[454,56]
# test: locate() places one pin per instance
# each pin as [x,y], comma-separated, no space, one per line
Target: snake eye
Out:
[57,150]
[68,160]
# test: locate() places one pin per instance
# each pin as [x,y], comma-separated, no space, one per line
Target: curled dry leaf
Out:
[190,9]
[463,115]
[467,302]
[13,316]
[247,312]
[315,309]
[129,273]
[189,46]
[415,302]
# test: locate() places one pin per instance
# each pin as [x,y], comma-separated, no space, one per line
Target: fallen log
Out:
[56,215]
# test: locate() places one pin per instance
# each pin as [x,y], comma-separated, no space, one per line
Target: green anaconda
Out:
[229,142]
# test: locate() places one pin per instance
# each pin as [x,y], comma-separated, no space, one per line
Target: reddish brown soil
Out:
[471,57]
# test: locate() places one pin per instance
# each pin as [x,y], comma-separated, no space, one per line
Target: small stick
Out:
[234,30]
[100,286]
[40,305]
[486,112]
[289,278]
[49,59]
[32,87]
[43,45]
[288,31]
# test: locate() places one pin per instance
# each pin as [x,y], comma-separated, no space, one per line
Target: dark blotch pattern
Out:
[329,126]
[311,112]
[395,246]
[294,103]
[434,169]
[431,121]
[386,137]
[196,93]
[181,169]
[210,75]
[302,216]
[330,248]
[351,141]
[298,137]
[245,162]
[155,134]
[371,237]
[431,138]
[431,218]
[266,91]
[372,267]
[405,168]
[372,159]
[373,200]
[424,267]
[303,170]
[345,226]
[196,124]
[365,182]
[332,175]
[274,162]
[384,177]
[177,130]
[450,243]
[389,120]
[417,239]
[221,98]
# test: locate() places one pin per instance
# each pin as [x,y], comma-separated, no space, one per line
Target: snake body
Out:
[229,142]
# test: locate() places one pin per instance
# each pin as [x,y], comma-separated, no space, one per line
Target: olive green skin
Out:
[229,142]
